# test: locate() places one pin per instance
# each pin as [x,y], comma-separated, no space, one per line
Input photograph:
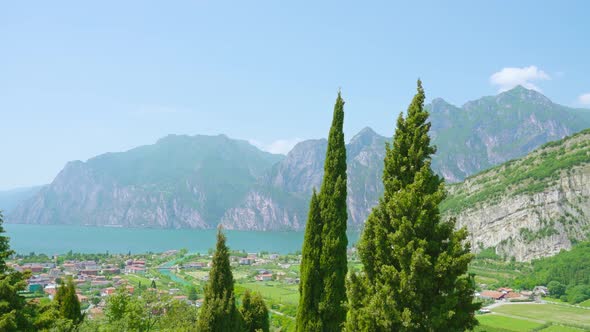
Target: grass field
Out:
[561,328]
[585,303]
[548,313]
[288,294]
[493,323]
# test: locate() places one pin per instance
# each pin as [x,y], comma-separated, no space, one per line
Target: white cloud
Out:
[509,77]
[282,146]
[584,99]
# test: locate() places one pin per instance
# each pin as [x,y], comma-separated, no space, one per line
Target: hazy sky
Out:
[77,80]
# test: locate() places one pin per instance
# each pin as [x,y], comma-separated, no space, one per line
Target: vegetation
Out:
[567,274]
[219,313]
[15,314]
[415,265]
[324,265]
[68,303]
[254,313]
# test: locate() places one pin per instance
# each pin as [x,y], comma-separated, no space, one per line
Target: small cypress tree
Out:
[310,285]
[324,265]
[5,251]
[219,313]
[69,305]
[254,313]
[15,313]
[415,265]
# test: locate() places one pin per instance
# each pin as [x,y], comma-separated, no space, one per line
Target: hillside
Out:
[529,207]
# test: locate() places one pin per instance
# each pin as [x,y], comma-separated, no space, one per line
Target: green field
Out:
[585,304]
[281,293]
[547,313]
[561,328]
[493,323]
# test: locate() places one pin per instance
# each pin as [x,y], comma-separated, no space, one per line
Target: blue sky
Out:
[77,80]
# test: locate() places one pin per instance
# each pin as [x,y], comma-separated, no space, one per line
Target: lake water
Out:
[54,239]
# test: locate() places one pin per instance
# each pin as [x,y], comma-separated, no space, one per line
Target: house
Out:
[490,294]
[135,269]
[264,277]
[111,270]
[50,290]
[89,272]
[108,291]
[193,266]
[34,268]
[70,267]
[541,290]
[246,261]
[273,256]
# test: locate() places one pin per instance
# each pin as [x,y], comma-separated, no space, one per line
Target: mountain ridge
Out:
[177,183]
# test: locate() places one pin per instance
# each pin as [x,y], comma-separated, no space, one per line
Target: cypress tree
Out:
[5,251]
[15,314]
[69,303]
[254,313]
[415,265]
[324,266]
[334,216]
[219,313]
[310,285]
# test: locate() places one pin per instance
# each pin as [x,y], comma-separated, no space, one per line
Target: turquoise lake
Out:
[54,239]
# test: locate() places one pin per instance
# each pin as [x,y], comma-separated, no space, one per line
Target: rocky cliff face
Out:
[282,202]
[531,207]
[179,182]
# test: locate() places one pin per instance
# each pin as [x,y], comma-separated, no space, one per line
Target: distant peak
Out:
[523,93]
[367,131]
[366,134]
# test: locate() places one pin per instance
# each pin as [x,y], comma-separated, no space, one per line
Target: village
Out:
[182,276]
[175,272]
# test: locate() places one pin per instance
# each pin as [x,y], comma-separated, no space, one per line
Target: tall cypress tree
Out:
[415,265]
[219,313]
[324,266]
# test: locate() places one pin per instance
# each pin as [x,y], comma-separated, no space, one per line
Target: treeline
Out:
[566,274]
[414,264]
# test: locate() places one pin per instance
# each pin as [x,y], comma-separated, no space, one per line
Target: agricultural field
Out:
[497,323]
[533,316]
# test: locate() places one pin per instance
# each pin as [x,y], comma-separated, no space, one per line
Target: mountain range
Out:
[202,181]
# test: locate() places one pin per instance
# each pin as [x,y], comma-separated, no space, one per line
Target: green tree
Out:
[310,286]
[70,304]
[15,314]
[254,313]
[415,265]
[556,288]
[192,293]
[219,313]
[324,265]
